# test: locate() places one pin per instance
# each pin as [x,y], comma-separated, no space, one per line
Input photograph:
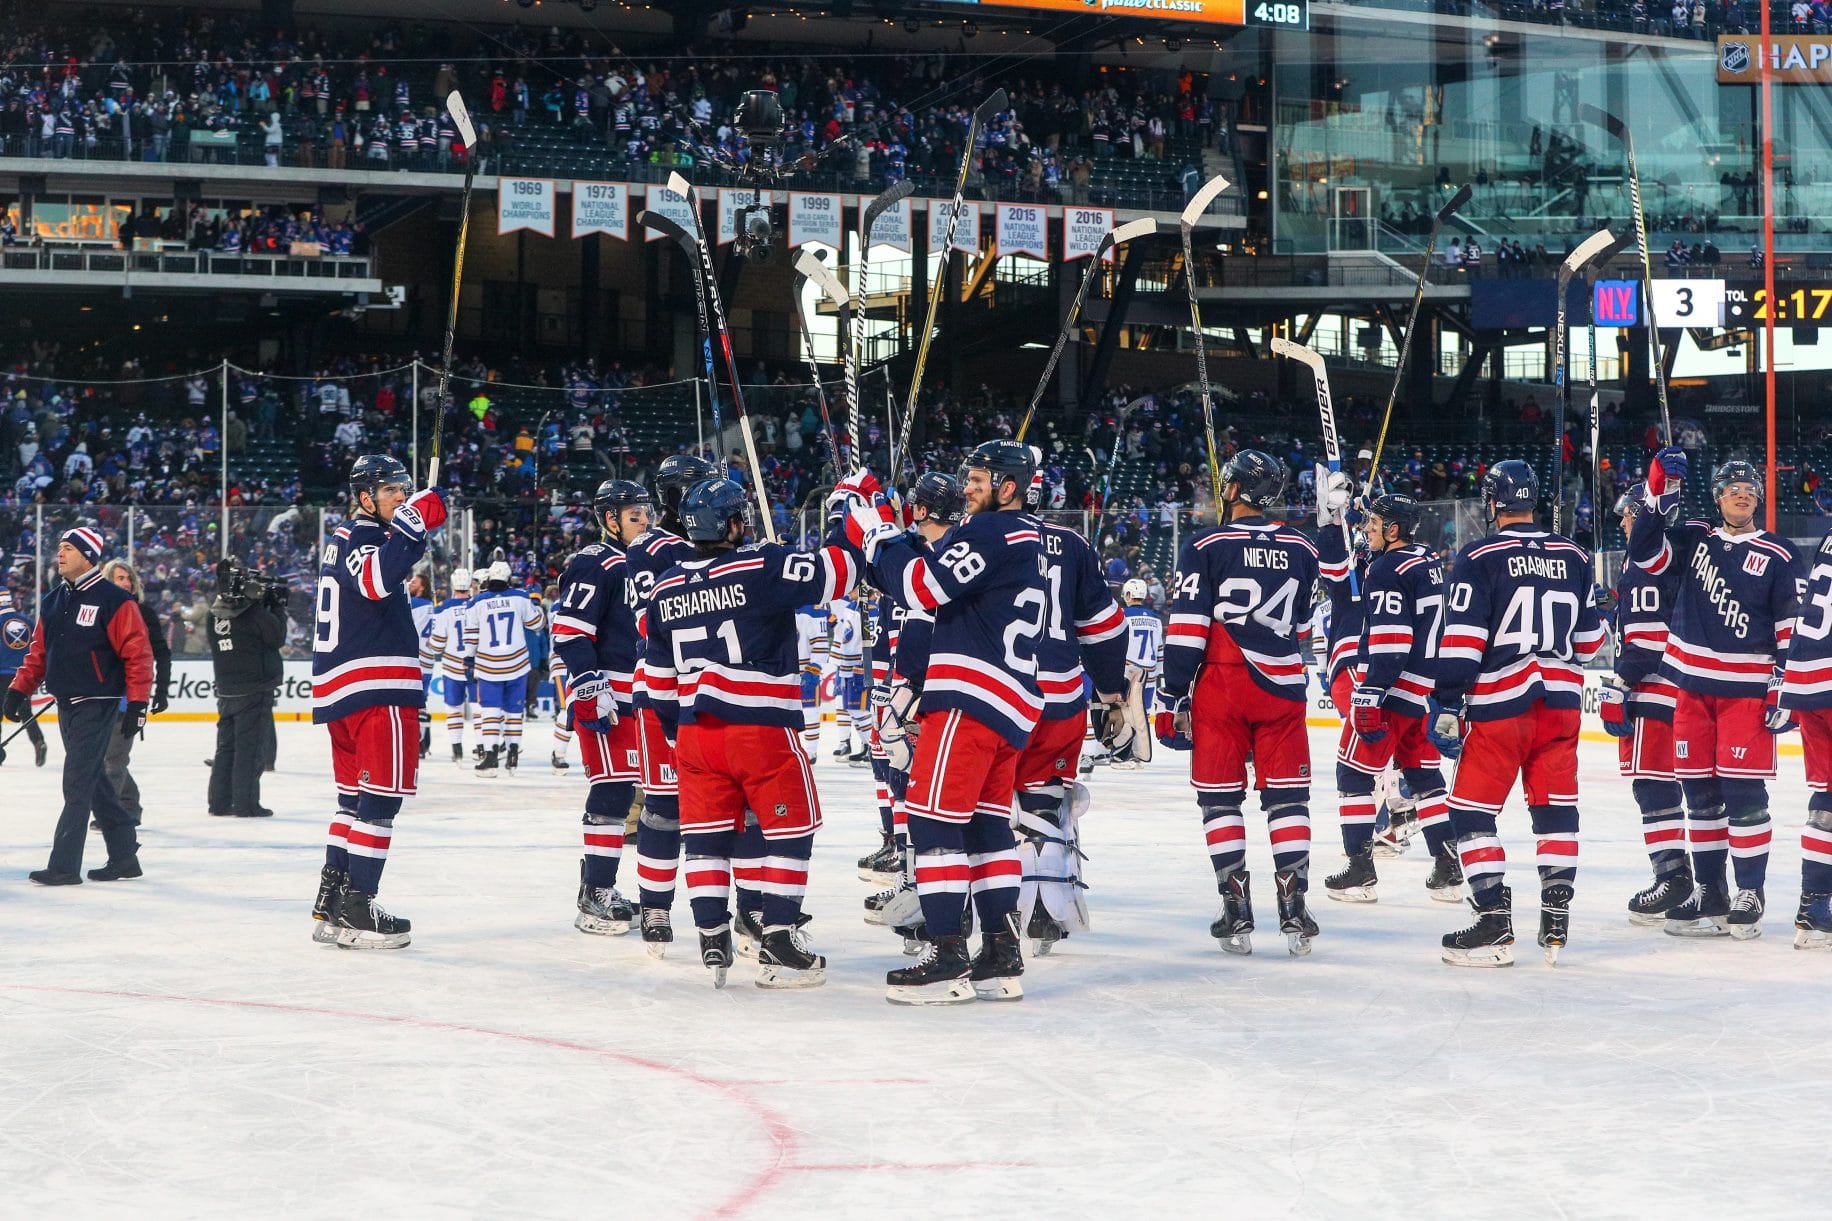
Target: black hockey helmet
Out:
[614,495]
[1735,471]
[1002,460]
[1631,500]
[1260,477]
[1510,487]
[372,472]
[707,509]
[941,495]
[1396,509]
[676,474]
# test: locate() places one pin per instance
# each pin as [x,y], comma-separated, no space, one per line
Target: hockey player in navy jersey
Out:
[1733,615]
[1520,621]
[723,677]
[1402,600]
[594,632]
[1637,709]
[1806,693]
[1234,672]
[366,690]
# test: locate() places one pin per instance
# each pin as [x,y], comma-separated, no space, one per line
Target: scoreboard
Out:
[1282,14]
[1677,303]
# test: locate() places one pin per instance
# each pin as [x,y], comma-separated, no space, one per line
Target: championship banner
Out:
[664,202]
[966,235]
[525,203]
[731,199]
[1794,59]
[1023,229]
[815,218]
[1082,230]
[601,207]
[893,227]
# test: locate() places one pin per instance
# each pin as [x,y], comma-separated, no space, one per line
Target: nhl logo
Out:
[1734,57]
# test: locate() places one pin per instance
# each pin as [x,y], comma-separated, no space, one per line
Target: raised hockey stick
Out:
[669,228]
[461,116]
[1192,216]
[1596,246]
[1108,242]
[1312,359]
[1449,210]
[1620,130]
[1597,509]
[809,268]
[887,199]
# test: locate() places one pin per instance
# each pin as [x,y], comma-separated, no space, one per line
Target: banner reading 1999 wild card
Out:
[525,203]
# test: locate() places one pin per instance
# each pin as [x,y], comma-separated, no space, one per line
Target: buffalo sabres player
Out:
[442,652]
[1144,671]
[497,626]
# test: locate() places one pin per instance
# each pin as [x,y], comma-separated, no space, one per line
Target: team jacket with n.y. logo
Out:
[1520,621]
[1403,603]
[365,651]
[594,619]
[1734,604]
[1244,594]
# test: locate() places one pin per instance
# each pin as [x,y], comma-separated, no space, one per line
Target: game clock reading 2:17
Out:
[1793,306]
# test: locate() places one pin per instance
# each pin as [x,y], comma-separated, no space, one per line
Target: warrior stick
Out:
[454,105]
[1617,128]
[1192,215]
[1587,251]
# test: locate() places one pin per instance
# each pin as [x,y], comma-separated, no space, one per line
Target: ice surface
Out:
[178,1045]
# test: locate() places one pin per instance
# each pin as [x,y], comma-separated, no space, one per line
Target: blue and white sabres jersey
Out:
[594,619]
[811,637]
[1244,594]
[1644,608]
[1085,627]
[1807,681]
[1342,628]
[442,644]
[365,651]
[722,635]
[986,584]
[1144,640]
[497,625]
[423,625]
[15,639]
[1733,609]
[1403,603]
[844,643]
[1520,621]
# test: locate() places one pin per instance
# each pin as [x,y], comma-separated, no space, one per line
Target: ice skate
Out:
[1044,931]
[1744,921]
[749,927]
[487,766]
[1446,881]
[657,931]
[426,741]
[457,755]
[1393,839]
[602,911]
[716,953]
[882,864]
[998,968]
[783,961]
[1554,919]
[896,906]
[40,751]
[1813,923]
[1356,882]
[363,925]
[1233,925]
[1489,942]
[514,760]
[560,765]
[1703,913]
[1648,908]
[859,758]
[331,882]
[1294,916]
[944,976]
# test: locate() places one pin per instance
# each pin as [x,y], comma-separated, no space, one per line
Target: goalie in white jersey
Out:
[1144,668]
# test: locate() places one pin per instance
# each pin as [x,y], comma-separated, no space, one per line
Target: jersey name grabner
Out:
[594,619]
[1733,608]
[497,625]
[1342,638]
[986,584]
[722,636]
[1520,621]
[1644,606]
[1807,681]
[1403,603]
[1085,626]
[365,651]
[1244,594]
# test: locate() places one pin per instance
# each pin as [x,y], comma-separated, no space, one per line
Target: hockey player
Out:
[442,651]
[595,635]
[723,678]
[15,642]
[366,690]
[811,648]
[846,636]
[1806,692]
[419,596]
[562,690]
[1234,672]
[1637,708]
[1144,672]
[497,625]
[1402,601]
[1733,615]
[1520,621]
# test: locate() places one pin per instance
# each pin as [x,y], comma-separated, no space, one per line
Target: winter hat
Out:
[86,540]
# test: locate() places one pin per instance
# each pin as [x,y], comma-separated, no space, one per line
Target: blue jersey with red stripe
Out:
[594,619]
[1244,594]
[1404,601]
[653,552]
[1343,638]
[365,649]
[986,584]
[1807,682]
[723,640]
[1086,626]
[1644,607]
[1520,621]
[1733,607]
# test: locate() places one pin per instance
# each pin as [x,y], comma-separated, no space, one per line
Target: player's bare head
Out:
[379,484]
[997,475]
[1391,521]
[419,586]
[715,514]
[623,508]
[1736,486]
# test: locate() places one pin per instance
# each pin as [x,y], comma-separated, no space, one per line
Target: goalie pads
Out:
[1051,856]
[897,723]
[1127,730]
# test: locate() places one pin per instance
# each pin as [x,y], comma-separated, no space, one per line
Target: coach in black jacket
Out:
[120,749]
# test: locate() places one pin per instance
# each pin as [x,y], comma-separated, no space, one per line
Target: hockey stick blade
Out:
[461,115]
[1602,118]
[882,203]
[994,103]
[810,267]
[1198,205]
[1282,346]
[678,183]
[667,226]
[1456,203]
[1587,250]
[1133,229]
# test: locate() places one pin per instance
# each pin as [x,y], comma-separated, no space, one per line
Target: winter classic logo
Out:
[1734,57]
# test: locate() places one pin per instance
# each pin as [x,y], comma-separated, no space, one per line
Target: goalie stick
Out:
[809,268]
[1620,130]
[1598,245]
[461,118]
[1332,443]
[1192,215]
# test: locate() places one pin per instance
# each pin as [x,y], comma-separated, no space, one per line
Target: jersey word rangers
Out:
[1403,609]
[496,628]
[365,652]
[1520,621]
[1733,607]
[1807,681]
[594,619]
[1085,626]
[1644,606]
[1244,593]
[722,638]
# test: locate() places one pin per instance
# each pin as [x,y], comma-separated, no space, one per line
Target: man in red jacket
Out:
[90,650]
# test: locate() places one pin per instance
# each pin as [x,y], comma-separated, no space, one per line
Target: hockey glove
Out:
[1366,715]
[1172,729]
[1444,726]
[1333,496]
[423,511]
[590,703]
[133,718]
[1666,476]
[1774,716]
[1612,706]
[868,526]
[858,488]
[896,718]
[15,704]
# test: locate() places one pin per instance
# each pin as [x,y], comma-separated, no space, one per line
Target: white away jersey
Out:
[496,628]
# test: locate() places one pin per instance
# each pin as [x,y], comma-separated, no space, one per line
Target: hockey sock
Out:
[1556,830]
[1816,847]
[784,880]
[747,864]
[1288,826]
[454,726]
[1746,809]
[337,840]
[709,877]
[943,875]
[1485,861]
[1427,784]
[562,732]
[881,774]
[1356,807]
[1707,830]
[1663,825]
[512,729]
[658,849]
[607,808]
[1226,831]
[994,871]
[370,833]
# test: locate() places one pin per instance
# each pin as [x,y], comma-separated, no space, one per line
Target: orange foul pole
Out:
[1768,260]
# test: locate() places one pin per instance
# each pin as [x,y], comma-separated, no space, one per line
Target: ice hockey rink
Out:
[177,1045]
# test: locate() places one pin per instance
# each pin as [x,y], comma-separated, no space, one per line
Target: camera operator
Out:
[246,632]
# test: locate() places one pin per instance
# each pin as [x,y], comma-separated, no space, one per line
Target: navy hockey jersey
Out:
[1520,621]
[653,552]
[722,636]
[1644,607]
[1404,610]
[15,639]
[985,582]
[1807,681]
[1086,627]
[1342,640]
[1244,593]
[365,651]
[594,619]
[915,640]
[1733,607]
